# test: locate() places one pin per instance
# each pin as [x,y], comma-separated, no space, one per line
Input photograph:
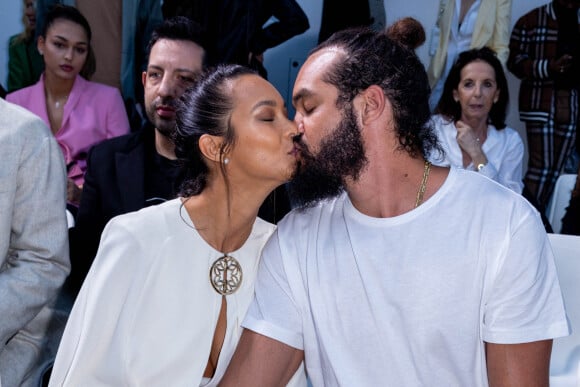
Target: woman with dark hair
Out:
[80,113]
[170,285]
[470,120]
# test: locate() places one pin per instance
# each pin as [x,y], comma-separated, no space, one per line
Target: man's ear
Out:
[210,147]
[373,103]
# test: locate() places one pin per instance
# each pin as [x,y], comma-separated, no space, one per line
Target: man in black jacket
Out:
[140,169]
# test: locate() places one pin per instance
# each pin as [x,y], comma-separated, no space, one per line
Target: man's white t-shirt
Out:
[409,300]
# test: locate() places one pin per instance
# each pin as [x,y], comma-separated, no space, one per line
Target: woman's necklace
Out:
[225,273]
[57,103]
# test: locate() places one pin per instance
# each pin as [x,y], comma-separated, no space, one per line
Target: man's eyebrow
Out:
[301,94]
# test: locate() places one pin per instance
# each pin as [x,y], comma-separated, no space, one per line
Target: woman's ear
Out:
[373,103]
[40,45]
[210,146]
[455,95]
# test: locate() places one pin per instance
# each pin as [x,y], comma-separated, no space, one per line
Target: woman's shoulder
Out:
[507,133]
[24,93]
[97,89]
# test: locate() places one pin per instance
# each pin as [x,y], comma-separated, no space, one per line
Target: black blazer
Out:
[114,185]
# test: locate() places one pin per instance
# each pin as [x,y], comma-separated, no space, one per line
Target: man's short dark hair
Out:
[179,28]
[372,58]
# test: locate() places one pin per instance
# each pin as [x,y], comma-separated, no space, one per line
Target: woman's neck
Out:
[224,220]
[478,125]
[57,88]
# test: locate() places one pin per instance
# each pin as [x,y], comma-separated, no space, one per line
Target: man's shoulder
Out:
[120,144]
[16,119]
[531,18]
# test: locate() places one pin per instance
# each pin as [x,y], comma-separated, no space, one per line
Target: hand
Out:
[470,143]
[467,139]
[560,65]
[73,192]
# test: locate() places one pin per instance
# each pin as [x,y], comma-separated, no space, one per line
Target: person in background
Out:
[408,31]
[394,272]
[237,28]
[463,25]
[34,261]
[122,29]
[571,219]
[545,55]
[24,61]
[137,170]
[80,113]
[470,120]
[170,284]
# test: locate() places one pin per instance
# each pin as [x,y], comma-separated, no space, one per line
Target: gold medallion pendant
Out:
[225,275]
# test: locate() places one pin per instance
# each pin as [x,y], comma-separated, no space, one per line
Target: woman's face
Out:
[30,13]
[64,49]
[477,90]
[263,150]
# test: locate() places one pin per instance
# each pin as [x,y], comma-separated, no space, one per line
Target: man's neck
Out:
[164,146]
[388,188]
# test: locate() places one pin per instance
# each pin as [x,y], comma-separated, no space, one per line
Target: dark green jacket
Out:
[25,64]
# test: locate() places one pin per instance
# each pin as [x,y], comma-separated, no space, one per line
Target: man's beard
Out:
[164,126]
[322,176]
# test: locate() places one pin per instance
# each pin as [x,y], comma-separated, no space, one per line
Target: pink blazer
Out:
[92,113]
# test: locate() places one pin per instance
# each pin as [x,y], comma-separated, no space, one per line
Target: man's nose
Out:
[166,87]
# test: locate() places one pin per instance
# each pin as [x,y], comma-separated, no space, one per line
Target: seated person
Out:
[137,170]
[171,283]
[470,120]
[24,61]
[33,246]
[80,113]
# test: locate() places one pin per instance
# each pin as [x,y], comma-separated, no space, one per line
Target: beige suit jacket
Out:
[492,29]
[34,258]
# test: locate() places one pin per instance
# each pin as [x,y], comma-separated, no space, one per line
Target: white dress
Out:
[147,312]
[504,150]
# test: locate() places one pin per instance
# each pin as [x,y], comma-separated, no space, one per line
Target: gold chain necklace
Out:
[423,185]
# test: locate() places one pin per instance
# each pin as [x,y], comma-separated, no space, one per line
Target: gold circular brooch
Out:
[225,275]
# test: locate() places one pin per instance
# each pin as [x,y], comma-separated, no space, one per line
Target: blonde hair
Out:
[28,32]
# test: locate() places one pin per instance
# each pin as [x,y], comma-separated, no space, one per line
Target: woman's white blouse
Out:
[504,150]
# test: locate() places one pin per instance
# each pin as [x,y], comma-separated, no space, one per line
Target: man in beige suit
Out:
[34,258]
[463,25]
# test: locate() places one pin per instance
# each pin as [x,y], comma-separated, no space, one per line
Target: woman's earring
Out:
[226,161]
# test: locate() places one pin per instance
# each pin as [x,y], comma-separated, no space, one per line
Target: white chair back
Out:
[560,200]
[565,361]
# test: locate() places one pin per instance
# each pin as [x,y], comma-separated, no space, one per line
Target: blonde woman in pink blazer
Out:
[80,113]
[463,25]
